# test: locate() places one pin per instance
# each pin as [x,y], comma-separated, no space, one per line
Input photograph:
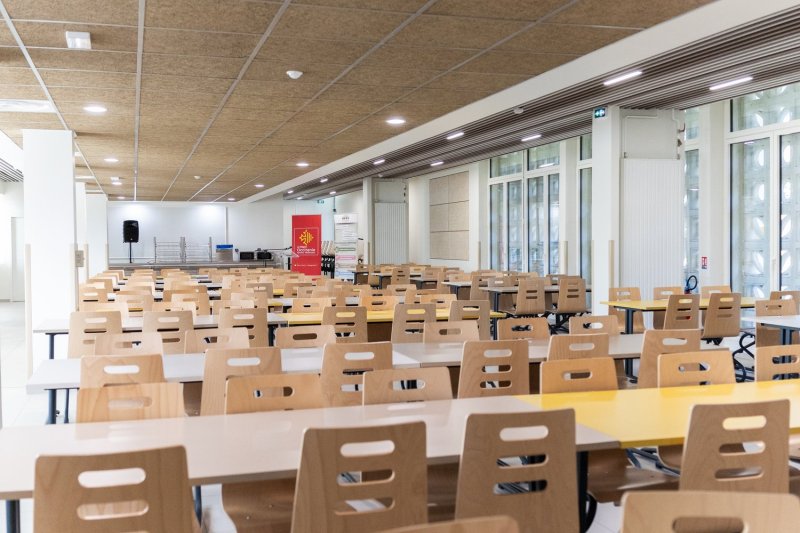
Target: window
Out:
[545,156]
[585,208]
[790,212]
[536,224]
[691,214]
[497,212]
[553,186]
[506,164]
[773,106]
[515,225]
[586,146]
[692,118]
[750,221]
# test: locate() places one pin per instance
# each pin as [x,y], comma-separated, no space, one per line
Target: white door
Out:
[17,260]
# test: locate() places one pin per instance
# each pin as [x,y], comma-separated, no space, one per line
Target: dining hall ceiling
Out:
[199,105]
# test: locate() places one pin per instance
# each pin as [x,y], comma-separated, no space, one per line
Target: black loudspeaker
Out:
[130,231]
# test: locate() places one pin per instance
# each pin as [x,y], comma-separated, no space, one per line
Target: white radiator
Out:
[391,233]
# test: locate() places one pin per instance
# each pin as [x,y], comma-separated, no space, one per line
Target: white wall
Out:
[97,232]
[256,225]
[419,218]
[353,202]
[11,205]
[166,221]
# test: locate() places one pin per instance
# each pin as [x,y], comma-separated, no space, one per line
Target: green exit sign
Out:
[599,112]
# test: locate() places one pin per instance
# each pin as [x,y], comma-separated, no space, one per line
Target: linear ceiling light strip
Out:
[273,23]
[38,76]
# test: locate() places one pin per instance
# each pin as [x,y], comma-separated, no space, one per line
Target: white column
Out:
[605,206]
[714,221]
[50,232]
[568,203]
[366,197]
[80,227]
[97,232]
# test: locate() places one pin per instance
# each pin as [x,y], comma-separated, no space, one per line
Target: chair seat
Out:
[260,506]
[611,475]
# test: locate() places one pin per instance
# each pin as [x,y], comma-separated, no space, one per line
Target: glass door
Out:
[516,228]
[586,223]
[497,213]
[536,224]
[553,218]
[790,212]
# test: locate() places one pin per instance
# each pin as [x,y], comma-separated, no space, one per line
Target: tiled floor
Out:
[19,408]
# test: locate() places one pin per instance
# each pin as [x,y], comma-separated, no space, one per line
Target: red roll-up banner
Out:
[307,244]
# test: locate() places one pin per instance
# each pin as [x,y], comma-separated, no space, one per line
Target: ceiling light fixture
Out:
[332,192]
[290,191]
[114,178]
[379,162]
[116,183]
[323,180]
[14,105]
[79,40]
[299,197]
[531,138]
[455,135]
[517,110]
[94,109]
[396,121]
[197,177]
[259,185]
[623,77]
[111,160]
[231,199]
[77,153]
[731,83]
[294,74]
[120,197]
[437,163]
[302,164]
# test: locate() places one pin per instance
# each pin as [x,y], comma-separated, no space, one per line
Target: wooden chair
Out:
[545,503]
[99,371]
[708,290]
[441,301]
[305,336]
[349,323]
[103,285]
[310,305]
[766,336]
[200,340]
[494,368]
[624,294]
[663,293]
[84,326]
[342,366]
[163,307]
[223,364]
[218,306]
[105,307]
[396,479]
[531,298]
[661,512]
[139,401]
[257,506]
[723,317]
[201,302]
[781,362]
[172,326]
[577,375]
[409,321]
[495,524]
[577,346]
[472,310]
[661,341]
[400,290]
[290,288]
[378,303]
[137,304]
[683,312]
[399,385]
[523,328]
[581,325]
[710,464]
[400,276]
[160,500]
[460,331]
[92,292]
[479,281]
[254,321]
[131,343]
[272,392]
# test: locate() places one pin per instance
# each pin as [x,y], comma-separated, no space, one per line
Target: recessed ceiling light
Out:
[517,110]
[437,163]
[15,105]
[111,160]
[290,191]
[84,178]
[197,177]
[94,109]
[455,135]
[114,178]
[623,77]
[116,183]
[231,199]
[294,74]
[323,180]
[379,162]
[120,197]
[332,192]
[77,153]
[731,83]
[531,137]
[302,164]
[396,121]
[299,197]
[79,40]
[259,185]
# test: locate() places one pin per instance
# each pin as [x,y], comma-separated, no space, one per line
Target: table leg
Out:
[52,396]
[454,290]
[493,321]
[583,484]
[12,516]
[786,336]
[198,504]
[629,321]
[271,334]
[496,301]
[52,345]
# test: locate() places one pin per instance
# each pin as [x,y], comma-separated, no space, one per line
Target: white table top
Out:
[247,447]
[786,321]
[66,373]
[134,323]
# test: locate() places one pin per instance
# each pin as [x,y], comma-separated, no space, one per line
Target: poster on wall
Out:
[307,244]
[345,244]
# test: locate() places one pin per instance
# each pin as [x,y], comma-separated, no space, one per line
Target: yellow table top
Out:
[661,305]
[639,417]
[309,319]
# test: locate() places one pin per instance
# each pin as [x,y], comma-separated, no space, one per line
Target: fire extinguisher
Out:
[691,284]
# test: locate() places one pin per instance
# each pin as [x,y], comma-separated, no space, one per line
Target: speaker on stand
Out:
[130,235]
